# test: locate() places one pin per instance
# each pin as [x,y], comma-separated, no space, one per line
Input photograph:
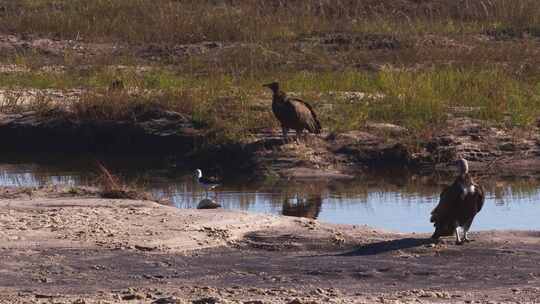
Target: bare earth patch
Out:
[70,249]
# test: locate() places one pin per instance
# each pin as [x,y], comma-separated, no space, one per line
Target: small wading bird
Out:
[293,113]
[458,205]
[207,183]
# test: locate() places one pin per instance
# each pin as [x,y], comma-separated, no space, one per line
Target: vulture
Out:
[308,208]
[458,205]
[206,182]
[293,113]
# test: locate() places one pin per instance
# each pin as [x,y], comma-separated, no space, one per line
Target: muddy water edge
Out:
[170,135]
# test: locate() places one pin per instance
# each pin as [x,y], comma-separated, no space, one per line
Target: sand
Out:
[58,247]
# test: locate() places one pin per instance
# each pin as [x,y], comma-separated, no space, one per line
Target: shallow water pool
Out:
[396,201]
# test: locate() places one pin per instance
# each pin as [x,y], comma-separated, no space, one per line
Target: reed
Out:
[111,186]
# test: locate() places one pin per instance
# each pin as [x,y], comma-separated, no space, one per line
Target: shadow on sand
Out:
[386,246]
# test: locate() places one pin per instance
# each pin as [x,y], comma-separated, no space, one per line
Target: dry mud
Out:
[60,248]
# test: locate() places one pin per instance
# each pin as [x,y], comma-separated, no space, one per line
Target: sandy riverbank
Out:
[61,248]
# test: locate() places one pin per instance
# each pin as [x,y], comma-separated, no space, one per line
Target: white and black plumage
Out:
[207,183]
[459,203]
[293,113]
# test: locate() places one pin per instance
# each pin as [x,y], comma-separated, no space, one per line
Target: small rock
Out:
[507,147]
[133,296]
[209,300]
[338,238]
[387,128]
[43,296]
[442,295]
[427,294]
[145,248]
[169,300]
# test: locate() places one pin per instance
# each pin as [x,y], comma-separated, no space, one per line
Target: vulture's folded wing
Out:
[480,197]
[447,199]
[306,114]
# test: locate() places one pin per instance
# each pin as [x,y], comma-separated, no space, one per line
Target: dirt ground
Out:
[62,248]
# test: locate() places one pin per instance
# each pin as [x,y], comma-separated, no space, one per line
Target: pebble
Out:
[169,300]
[208,300]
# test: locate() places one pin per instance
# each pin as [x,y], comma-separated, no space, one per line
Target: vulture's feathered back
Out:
[293,113]
[458,205]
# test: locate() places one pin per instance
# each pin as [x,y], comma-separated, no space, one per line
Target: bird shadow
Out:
[387,246]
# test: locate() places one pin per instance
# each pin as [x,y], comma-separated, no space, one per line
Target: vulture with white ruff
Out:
[458,205]
[293,113]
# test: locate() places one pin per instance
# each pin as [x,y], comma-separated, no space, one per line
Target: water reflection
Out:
[396,201]
[309,207]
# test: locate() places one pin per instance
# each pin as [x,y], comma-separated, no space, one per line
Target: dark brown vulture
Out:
[293,113]
[458,205]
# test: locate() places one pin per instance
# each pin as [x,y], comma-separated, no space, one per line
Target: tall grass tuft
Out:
[112,187]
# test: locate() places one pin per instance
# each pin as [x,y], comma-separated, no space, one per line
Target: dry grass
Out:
[112,187]
[188,21]
[425,57]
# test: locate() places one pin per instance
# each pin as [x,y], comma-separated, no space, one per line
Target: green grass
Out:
[233,108]
[476,54]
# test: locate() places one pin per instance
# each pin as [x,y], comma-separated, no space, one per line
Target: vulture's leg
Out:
[436,234]
[298,135]
[435,238]
[458,237]
[466,231]
[284,132]
[305,136]
[465,237]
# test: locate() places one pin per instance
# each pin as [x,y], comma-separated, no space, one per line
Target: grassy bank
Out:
[238,107]
[418,61]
